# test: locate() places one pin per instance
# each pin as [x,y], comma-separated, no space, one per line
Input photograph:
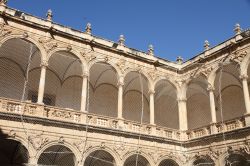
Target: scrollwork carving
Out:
[121,64]
[48,43]
[153,74]
[37,141]
[238,56]
[4,30]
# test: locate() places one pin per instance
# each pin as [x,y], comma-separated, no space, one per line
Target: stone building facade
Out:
[70,98]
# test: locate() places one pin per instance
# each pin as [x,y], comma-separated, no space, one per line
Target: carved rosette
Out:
[38,141]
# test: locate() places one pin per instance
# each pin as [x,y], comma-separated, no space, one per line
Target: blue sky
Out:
[174,27]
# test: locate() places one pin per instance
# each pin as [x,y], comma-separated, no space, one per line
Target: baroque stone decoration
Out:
[37,141]
[175,118]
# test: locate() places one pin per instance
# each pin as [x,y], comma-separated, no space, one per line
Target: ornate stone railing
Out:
[72,116]
[216,128]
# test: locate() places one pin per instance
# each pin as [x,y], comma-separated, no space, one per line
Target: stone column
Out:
[182,105]
[246,98]
[246,92]
[212,104]
[120,97]
[84,91]
[44,65]
[213,127]
[152,107]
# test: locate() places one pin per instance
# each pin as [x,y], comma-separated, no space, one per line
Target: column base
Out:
[213,128]
[40,103]
[120,124]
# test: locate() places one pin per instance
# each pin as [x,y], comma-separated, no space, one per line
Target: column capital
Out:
[210,88]
[85,74]
[44,63]
[120,81]
[151,91]
[180,99]
[243,76]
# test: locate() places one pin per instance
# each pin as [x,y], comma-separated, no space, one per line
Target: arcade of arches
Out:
[93,102]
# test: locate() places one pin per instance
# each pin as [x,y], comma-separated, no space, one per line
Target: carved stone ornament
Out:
[12,134]
[37,141]
[44,63]
[4,30]
[81,146]
[121,64]
[61,140]
[206,71]
[238,56]
[120,149]
[210,88]
[89,57]
[138,68]
[48,43]
[246,147]
[154,155]
[102,145]
[153,74]
[25,35]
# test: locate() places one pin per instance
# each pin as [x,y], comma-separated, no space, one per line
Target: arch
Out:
[234,158]
[220,78]
[198,103]
[237,159]
[113,65]
[72,51]
[168,162]
[142,72]
[12,150]
[57,153]
[143,159]
[18,50]
[30,39]
[157,80]
[203,160]
[106,149]
[103,97]
[166,106]
[244,65]
[100,158]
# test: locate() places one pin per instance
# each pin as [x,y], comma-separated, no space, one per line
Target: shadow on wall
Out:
[12,153]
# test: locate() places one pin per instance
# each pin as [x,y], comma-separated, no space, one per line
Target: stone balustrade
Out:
[72,116]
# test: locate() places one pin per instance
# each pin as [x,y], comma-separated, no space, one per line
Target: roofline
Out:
[109,45]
